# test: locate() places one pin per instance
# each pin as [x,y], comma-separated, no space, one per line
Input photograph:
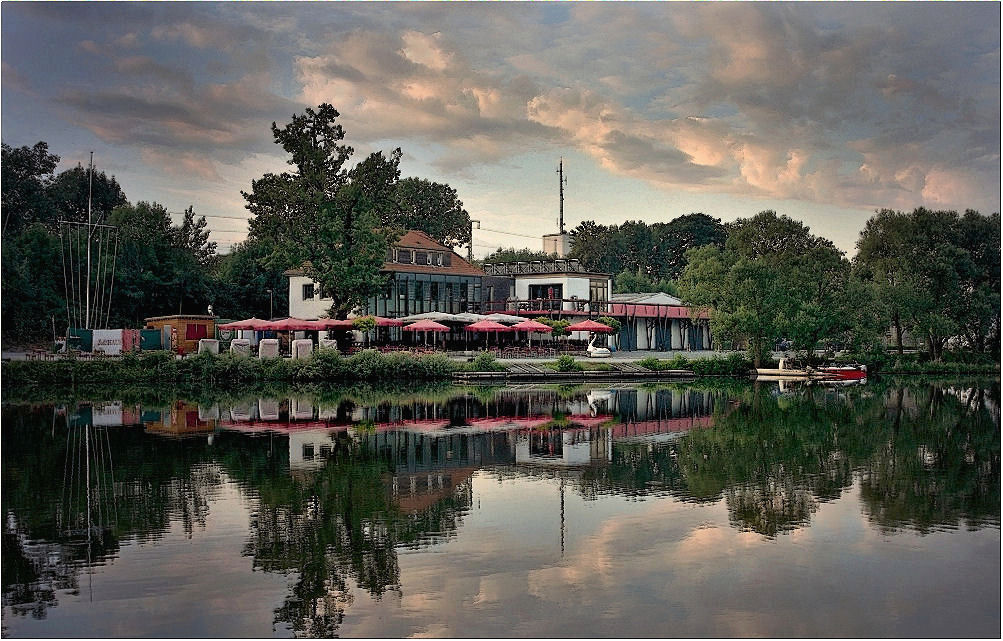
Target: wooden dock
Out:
[535,373]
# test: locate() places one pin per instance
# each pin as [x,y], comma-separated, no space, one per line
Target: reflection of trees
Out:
[331,525]
[925,457]
[940,463]
[144,484]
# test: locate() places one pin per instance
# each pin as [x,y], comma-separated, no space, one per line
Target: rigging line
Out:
[111,469]
[80,283]
[114,262]
[62,254]
[66,462]
[97,280]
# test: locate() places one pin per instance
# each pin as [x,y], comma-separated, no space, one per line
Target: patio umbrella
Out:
[425,326]
[289,325]
[589,326]
[529,325]
[250,323]
[504,318]
[487,326]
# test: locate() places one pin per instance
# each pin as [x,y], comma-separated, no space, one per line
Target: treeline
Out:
[934,275]
[337,220]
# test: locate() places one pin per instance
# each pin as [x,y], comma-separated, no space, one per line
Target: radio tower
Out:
[562,181]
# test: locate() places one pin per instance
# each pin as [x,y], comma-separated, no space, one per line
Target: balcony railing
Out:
[560,265]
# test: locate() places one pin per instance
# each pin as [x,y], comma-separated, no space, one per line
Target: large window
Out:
[598,289]
[553,291]
[404,256]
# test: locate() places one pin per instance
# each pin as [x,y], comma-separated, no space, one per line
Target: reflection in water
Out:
[338,486]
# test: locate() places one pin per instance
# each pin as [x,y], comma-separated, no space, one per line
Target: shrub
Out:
[567,363]
[486,362]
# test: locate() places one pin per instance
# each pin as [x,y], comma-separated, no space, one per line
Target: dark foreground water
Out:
[729,510]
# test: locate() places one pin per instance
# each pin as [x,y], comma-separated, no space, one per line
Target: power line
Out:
[510,233]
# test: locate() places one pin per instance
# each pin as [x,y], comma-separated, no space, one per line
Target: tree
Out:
[513,255]
[26,174]
[193,237]
[773,279]
[433,208]
[242,279]
[626,281]
[321,216]
[673,239]
[69,192]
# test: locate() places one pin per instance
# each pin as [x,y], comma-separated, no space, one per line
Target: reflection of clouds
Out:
[662,568]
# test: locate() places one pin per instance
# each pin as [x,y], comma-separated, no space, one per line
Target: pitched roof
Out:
[645,298]
[413,239]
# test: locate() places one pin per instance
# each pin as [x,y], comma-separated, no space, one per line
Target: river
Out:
[689,509]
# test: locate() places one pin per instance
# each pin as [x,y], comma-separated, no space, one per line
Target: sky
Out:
[824,112]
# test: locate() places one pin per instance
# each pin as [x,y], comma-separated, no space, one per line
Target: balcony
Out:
[558,266]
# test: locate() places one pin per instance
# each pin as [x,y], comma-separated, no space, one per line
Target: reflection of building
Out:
[564,447]
[180,419]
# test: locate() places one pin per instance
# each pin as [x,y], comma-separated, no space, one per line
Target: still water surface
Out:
[724,510]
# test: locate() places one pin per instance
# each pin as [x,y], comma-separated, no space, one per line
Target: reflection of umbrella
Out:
[487,326]
[589,326]
[426,326]
[529,325]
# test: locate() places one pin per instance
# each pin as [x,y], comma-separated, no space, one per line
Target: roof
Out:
[180,317]
[413,239]
[645,298]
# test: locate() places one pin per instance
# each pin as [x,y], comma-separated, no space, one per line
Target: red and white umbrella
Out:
[530,325]
[590,326]
[426,326]
[487,326]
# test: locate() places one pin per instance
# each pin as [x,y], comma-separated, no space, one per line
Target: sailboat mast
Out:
[90,190]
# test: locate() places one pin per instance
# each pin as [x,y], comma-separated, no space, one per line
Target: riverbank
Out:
[327,365]
[159,368]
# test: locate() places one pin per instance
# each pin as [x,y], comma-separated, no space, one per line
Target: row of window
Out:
[419,257]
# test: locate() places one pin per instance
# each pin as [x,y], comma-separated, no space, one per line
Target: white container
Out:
[327,343]
[268,348]
[240,347]
[210,345]
[302,348]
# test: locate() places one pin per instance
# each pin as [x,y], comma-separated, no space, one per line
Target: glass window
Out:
[308,291]
[420,258]
[447,259]
[598,289]
[547,291]
[404,256]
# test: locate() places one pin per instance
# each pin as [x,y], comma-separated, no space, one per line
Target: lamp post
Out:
[271,315]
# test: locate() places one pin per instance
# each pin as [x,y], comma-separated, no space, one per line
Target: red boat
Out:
[845,372]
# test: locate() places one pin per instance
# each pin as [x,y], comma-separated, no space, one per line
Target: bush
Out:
[486,362]
[567,363]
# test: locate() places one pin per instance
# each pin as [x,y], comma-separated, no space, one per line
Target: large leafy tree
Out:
[773,279]
[433,208]
[936,274]
[69,192]
[27,171]
[323,216]
[242,280]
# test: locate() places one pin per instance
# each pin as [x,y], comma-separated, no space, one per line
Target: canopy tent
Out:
[590,326]
[426,326]
[529,325]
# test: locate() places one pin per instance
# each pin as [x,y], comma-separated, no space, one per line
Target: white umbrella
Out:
[504,318]
[438,317]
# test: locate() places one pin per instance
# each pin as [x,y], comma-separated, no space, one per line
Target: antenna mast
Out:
[90,231]
[562,181]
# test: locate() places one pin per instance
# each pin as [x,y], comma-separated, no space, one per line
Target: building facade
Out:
[422,276]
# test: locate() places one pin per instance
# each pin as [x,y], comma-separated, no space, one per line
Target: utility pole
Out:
[562,181]
[90,231]
[470,244]
[270,300]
